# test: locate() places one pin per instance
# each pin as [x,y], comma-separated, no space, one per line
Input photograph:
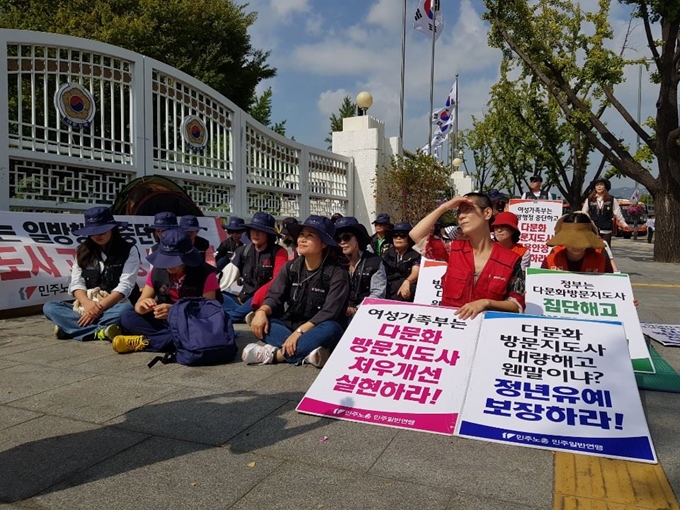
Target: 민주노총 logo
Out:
[194,133]
[75,105]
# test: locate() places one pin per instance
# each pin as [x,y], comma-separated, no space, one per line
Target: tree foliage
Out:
[348,108]
[536,36]
[261,111]
[207,39]
[413,185]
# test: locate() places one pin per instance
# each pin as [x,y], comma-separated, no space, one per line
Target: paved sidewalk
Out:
[84,427]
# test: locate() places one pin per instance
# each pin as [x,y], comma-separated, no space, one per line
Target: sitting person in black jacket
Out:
[190,225]
[225,251]
[402,265]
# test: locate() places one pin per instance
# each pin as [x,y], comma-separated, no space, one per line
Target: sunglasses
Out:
[344,238]
[535,179]
[400,235]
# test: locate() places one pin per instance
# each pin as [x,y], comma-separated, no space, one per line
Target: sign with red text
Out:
[605,297]
[429,288]
[556,384]
[398,365]
[537,220]
[37,251]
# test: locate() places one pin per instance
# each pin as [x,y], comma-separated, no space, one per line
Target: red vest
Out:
[458,282]
[519,249]
[593,261]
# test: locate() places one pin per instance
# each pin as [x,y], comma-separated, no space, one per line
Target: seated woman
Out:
[178,272]
[258,263]
[367,276]
[314,288]
[507,234]
[162,221]
[578,248]
[190,225]
[225,251]
[402,264]
[104,260]
[480,274]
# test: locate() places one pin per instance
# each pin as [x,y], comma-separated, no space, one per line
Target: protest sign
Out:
[606,297]
[398,365]
[556,384]
[537,220]
[37,251]
[665,334]
[429,288]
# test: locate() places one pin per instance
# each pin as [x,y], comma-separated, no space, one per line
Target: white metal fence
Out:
[46,164]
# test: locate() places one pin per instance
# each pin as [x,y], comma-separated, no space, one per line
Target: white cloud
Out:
[386,13]
[330,100]
[285,8]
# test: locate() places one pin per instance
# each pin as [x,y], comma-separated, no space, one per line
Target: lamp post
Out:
[364,101]
[458,162]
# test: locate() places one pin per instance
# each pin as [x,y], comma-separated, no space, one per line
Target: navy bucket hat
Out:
[352,225]
[382,219]
[174,250]
[163,221]
[264,222]
[402,226]
[323,226]
[189,223]
[235,224]
[99,220]
[495,196]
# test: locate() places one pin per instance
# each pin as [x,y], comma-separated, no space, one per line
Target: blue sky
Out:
[327,49]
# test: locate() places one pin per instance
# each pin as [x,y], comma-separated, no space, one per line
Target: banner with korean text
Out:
[429,288]
[556,384]
[606,297]
[397,365]
[537,220]
[37,251]
[665,334]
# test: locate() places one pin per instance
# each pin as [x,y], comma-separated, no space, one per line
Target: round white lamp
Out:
[457,162]
[364,101]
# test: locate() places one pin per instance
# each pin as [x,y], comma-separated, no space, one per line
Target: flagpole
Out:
[403,72]
[429,122]
[456,126]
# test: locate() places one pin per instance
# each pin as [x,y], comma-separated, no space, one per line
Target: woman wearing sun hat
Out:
[104,260]
[225,251]
[603,208]
[577,247]
[507,234]
[162,221]
[190,225]
[402,264]
[178,272]
[314,288]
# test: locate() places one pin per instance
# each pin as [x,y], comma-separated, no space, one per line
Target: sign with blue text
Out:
[556,384]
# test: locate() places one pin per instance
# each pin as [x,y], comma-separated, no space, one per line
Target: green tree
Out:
[261,111]
[533,35]
[413,185]
[207,39]
[348,108]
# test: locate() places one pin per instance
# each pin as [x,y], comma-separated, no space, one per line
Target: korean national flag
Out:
[429,17]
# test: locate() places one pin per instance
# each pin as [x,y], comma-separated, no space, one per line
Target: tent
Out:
[146,196]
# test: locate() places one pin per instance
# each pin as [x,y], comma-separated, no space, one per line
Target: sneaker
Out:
[108,333]
[318,357]
[59,333]
[249,317]
[256,354]
[129,343]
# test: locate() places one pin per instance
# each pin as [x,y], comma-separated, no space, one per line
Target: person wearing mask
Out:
[302,317]
[190,225]
[178,272]
[480,274]
[162,221]
[104,260]
[382,239]
[225,251]
[535,192]
[258,263]
[367,275]
[402,265]
[507,234]
[603,209]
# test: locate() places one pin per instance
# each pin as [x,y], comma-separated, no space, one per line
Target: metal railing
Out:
[141,105]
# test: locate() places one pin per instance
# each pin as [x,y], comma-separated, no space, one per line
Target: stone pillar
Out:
[363,139]
[462,182]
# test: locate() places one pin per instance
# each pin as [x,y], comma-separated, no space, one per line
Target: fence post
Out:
[239,158]
[4,128]
[303,167]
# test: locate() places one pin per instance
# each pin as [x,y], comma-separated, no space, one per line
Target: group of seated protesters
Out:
[299,288]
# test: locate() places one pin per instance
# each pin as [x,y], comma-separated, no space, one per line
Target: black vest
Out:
[360,281]
[398,270]
[307,296]
[192,286]
[226,249]
[603,218]
[258,269]
[113,269]
[385,245]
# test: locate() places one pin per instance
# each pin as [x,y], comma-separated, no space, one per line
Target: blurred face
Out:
[102,239]
[600,187]
[348,242]
[498,207]
[176,270]
[575,254]
[192,235]
[309,242]
[535,186]
[400,240]
[381,228]
[472,218]
[234,234]
[258,238]
[503,235]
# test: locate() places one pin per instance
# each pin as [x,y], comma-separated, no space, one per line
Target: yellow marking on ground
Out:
[664,285]
[583,482]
